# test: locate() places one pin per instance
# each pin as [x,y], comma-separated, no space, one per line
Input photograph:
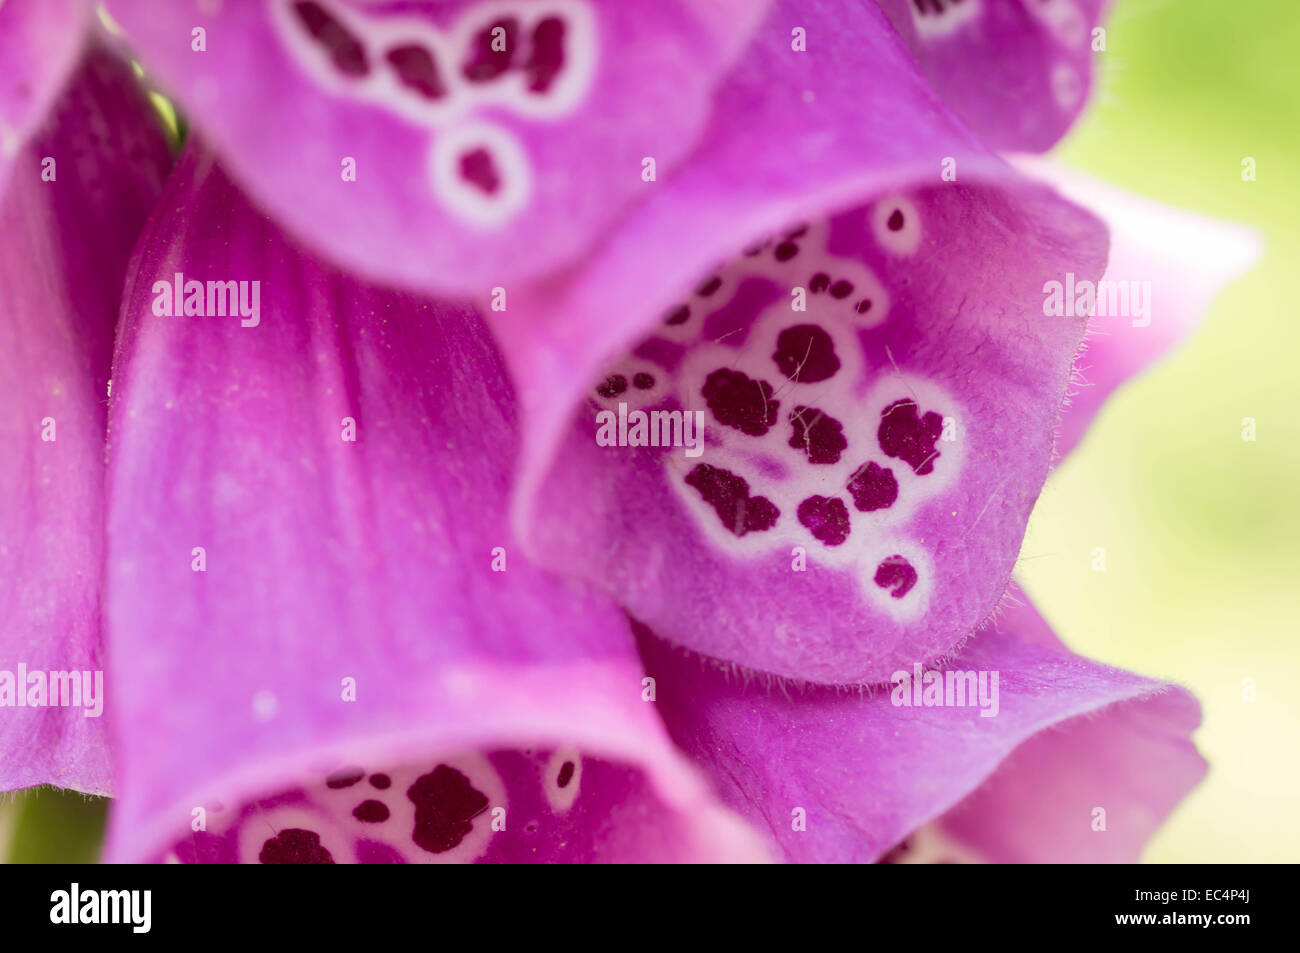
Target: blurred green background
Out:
[1201,529]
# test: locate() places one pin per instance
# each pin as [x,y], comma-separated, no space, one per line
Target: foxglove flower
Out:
[448,146]
[365,552]
[346,619]
[449,136]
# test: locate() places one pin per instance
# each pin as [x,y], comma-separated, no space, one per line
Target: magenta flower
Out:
[566,431]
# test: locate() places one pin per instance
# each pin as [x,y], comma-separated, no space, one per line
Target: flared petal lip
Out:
[480,725]
[887,816]
[1086,709]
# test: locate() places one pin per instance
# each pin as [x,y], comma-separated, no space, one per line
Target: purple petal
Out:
[40,41]
[846,776]
[555,805]
[78,195]
[1017,71]
[932,300]
[1166,267]
[463,154]
[287,602]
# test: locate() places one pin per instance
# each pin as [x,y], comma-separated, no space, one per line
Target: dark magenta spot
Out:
[797,232]
[547,57]
[826,517]
[805,353]
[817,434]
[293,845]
[863,306]
[728,494]
[786,250]
[416,70]
[819,283]
[709,287]
[486,63]
[371,812]
[739,401]
[344,777]
[565,775]
[873,487]
[908,436]
[612,386]
[380,781]
[445,805]
[895,222]
[841,289]
[897,575]
[643,381]
[679,315]
[477,168]
[345,50]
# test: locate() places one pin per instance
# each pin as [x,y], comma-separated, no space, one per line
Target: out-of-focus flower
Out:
[77,197]
[1018,72]
[450,146]
[40,42]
